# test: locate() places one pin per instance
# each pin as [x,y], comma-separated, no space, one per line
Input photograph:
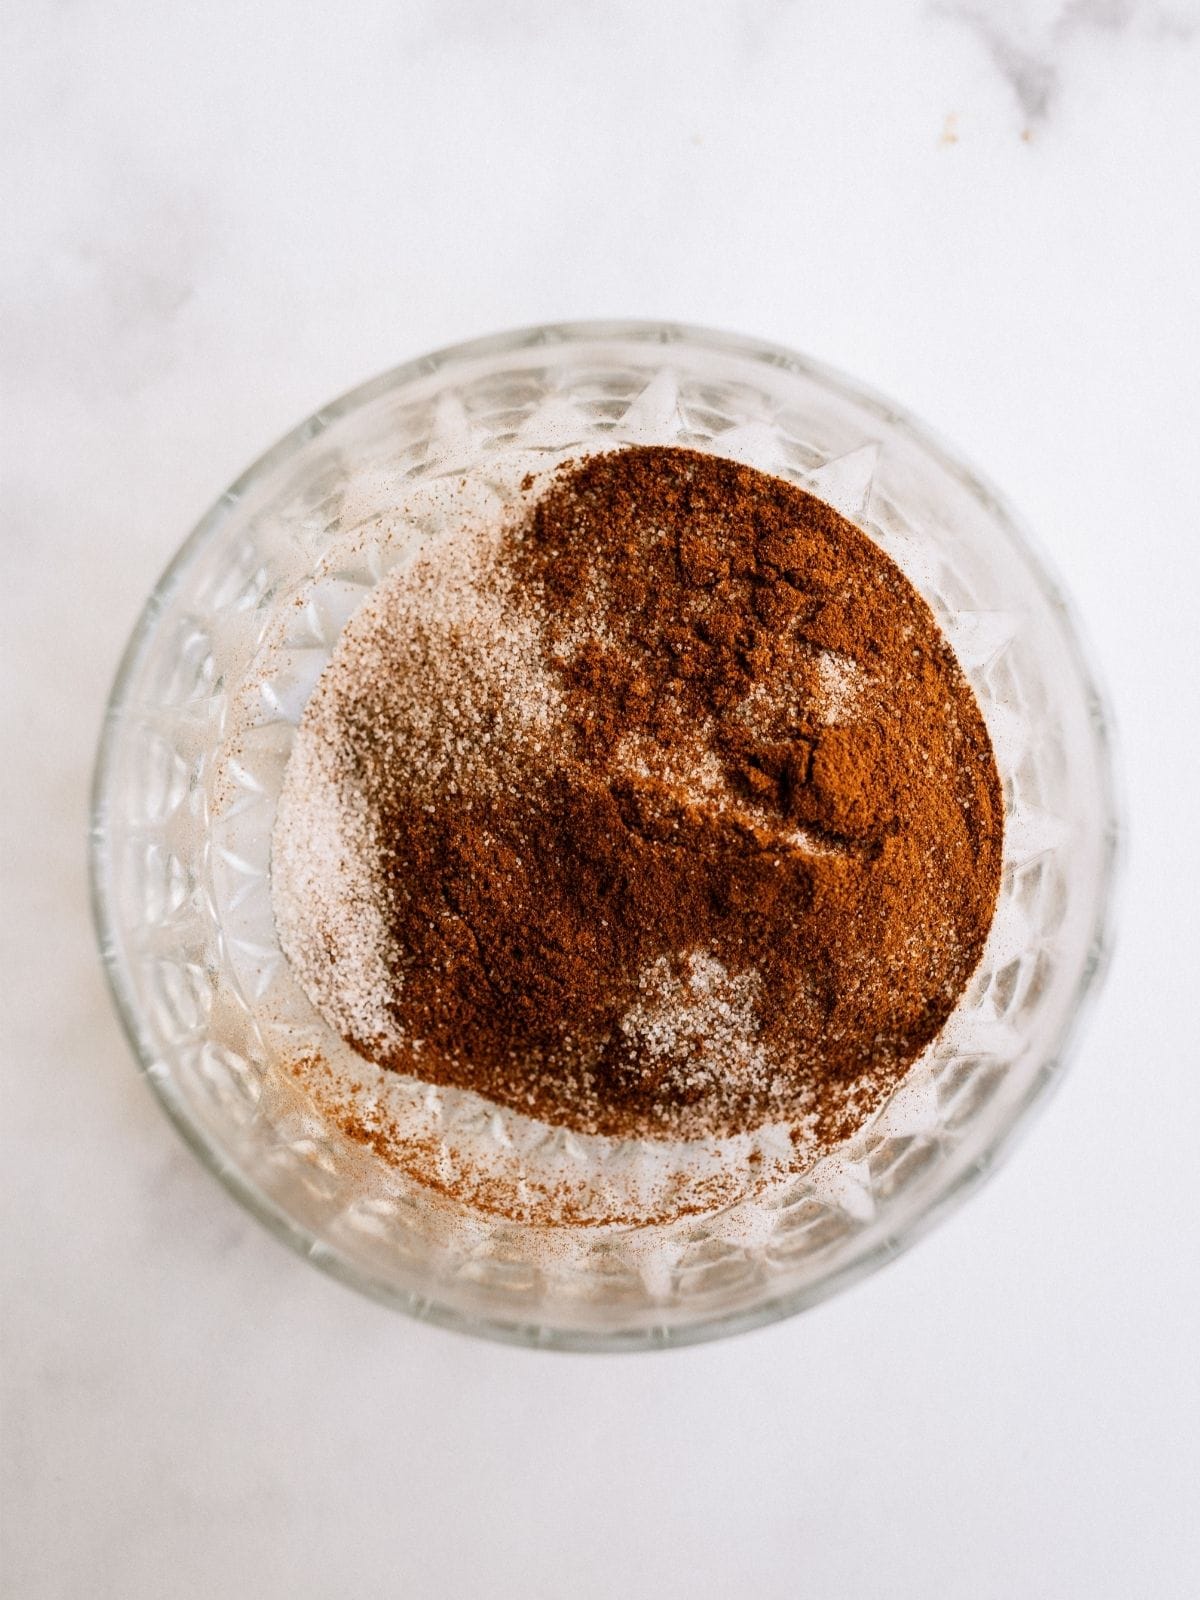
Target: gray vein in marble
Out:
[1030,44]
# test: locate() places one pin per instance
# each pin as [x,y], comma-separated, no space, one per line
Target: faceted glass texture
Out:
[181,837]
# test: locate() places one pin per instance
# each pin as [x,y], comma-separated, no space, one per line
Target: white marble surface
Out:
[216,217]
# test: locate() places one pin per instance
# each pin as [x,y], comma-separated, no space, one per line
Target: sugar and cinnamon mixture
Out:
[662,809]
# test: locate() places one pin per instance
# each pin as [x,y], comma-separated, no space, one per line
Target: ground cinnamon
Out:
[663,809]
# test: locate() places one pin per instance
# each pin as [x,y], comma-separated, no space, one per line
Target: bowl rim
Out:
[858,1264]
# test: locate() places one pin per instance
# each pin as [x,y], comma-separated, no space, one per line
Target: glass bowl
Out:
[182,818]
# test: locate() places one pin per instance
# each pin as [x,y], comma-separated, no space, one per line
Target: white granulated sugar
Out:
[811,843]
[766,705]
[694,770]
[475,666]
[828,684]
[841,682]
[322,832]
[693,1015]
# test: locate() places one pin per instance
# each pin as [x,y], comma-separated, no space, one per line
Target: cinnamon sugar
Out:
[661,810]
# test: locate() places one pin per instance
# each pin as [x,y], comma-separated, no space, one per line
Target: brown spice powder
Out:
[664,811]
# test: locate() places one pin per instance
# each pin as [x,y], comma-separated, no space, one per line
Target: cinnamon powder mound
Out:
[661,810]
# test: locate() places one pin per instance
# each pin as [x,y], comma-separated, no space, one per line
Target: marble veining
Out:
[1030,42]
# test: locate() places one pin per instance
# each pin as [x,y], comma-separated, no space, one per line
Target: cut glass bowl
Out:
[192,754]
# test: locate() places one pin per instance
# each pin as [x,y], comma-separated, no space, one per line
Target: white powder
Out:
[696,1018]
[841,681]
